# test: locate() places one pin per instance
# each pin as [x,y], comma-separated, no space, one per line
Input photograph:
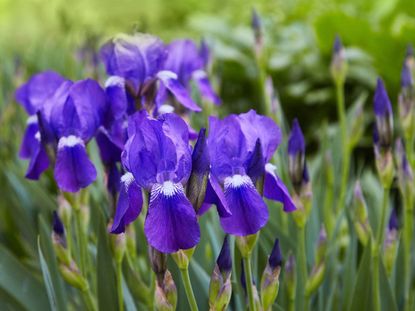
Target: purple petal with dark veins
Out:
[249,211]
[171,222]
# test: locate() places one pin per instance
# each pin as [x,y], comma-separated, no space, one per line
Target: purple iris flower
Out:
[158,159]
[240,148]
[140,60]
[188,62]
[68,118]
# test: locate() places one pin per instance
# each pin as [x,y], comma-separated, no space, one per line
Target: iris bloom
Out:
[139,61]
[158,159]
[189,64]
[240,148]
[70,113]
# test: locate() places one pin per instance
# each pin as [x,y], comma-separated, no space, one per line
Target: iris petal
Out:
[274,189]
[39,162]
[73,169]
[171,222]
[205,88]
[129,204]
[249,211]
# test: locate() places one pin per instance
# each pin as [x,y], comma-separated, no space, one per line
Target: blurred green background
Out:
[36,35]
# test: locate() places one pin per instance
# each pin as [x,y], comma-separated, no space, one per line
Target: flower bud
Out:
[158,261]
[404,170]
[296,156]
[290,278]
[119,244]
[385,166]
[303,202]
[256,24]
[270,278]
[383,117]
[338,65]
[359,215]
[165,295]
[183,257]
[73,276]
[64,210]
[317,273]
[357,124]
[196,187]
[220,288]
[59,240]
[131,242]
[390,246]
[246,244]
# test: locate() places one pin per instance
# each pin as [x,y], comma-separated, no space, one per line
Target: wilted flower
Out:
[140,60]
[158,159]
[240,147]
[69,118]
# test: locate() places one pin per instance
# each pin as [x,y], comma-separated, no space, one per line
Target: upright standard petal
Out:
[129,204]
[171,222]
[137,58]
[33,94]
[274,189]
[249,212]
[256,126]
[205,88]
[73,169]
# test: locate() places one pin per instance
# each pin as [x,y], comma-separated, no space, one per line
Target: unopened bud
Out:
[385,166]
[317,273]
[296,156]
[360,216]
[64,210]
[59,240]
[220,288]
[256,24]
[196,187]
[165,295]
[73,276]
[290,278]
[182,257]
[158,261]
[390,246]
[338,65]
[404,170]
[246,244]
[270,277]
[382,107]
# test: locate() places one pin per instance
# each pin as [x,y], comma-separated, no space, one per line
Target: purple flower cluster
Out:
[145,147]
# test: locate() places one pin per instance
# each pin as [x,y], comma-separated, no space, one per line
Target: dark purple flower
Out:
[256,22]
[158,155]
[224,260]
[140,60]
[185,60]
[233,142]
[296,143]
[204,53]
[275,259]
[383,133]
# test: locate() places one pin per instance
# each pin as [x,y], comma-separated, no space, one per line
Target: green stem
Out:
[188,288]
[81,235]
[89,300]
[341,111]
[302,271]
[119,286]
[377,249]
[249,284]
